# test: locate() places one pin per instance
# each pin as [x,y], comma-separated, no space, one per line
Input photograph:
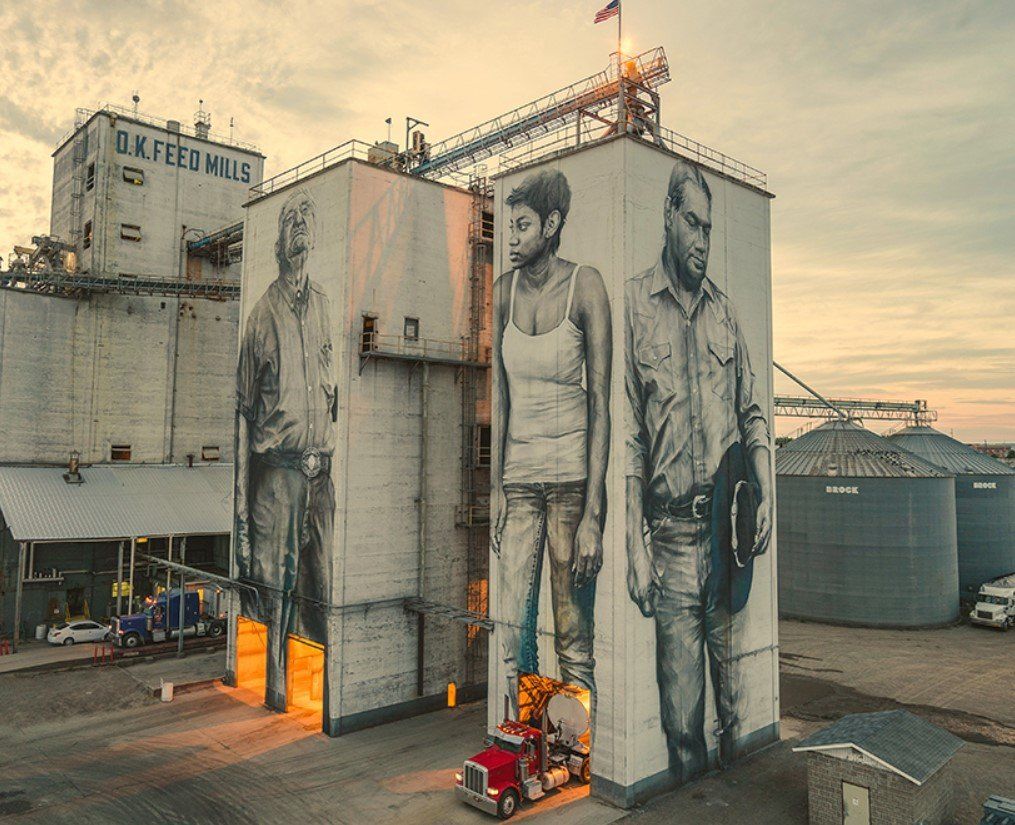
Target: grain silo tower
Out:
[866,531]
[984,504]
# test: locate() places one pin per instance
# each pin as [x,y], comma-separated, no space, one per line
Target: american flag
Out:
[611,9]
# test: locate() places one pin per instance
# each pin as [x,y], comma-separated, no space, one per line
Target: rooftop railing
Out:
[344,151]
[83,115]
[558,143]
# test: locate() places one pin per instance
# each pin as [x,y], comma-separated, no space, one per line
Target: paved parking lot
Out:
[964,668]
[91,746]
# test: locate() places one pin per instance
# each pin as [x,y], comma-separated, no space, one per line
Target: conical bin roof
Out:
[947,453]
[844,448]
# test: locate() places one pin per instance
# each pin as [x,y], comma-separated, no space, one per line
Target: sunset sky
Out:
[887,130]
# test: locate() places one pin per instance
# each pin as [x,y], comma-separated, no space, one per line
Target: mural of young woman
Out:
[552,358]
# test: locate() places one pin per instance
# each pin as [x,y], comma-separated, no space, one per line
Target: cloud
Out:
[885,130]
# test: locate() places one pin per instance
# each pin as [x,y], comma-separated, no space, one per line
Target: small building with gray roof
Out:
[885,768]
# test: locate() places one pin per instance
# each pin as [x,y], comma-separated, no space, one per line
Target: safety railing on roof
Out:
[83,115]
[344,151]
[712,158]
[564,141]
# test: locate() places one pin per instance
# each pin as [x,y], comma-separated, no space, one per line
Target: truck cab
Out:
[521,762]
[494,779]
[156,623]
[995,604]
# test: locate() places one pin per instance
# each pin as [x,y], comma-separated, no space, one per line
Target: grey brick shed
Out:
[887,768]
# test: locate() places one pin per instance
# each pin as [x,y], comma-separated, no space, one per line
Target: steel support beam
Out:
[22,557]
[130,586]
[183,605]
[119,580]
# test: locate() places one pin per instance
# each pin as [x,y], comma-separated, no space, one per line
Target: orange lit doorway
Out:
[251,656]
[305,679]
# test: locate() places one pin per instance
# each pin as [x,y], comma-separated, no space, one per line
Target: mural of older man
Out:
[699,488]
[286,412]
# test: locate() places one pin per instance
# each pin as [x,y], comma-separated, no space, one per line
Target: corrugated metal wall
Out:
[984,504]
[985,516]
[883,555]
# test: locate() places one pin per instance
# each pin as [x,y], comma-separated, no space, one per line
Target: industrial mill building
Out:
[117,347]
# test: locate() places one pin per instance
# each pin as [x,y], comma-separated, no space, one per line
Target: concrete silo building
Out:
[389,340]
[984,504]
[866,531]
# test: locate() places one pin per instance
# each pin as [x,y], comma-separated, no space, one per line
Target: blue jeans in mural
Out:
[693,624]
[541,520]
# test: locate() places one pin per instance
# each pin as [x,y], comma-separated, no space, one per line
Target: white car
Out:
[82,631]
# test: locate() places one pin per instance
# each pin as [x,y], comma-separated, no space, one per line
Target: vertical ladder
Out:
[77,191]
[474,518]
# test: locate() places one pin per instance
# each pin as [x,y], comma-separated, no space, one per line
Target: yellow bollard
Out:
[452,694]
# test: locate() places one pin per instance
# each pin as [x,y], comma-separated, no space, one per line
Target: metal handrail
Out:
[381,344]
[567,139]
[124,283]
[151,120]
[712,158]
[553,111]
[344,151]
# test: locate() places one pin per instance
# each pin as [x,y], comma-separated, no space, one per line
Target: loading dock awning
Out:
[116,502]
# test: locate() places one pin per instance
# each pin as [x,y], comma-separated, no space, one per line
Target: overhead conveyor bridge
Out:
[874,410]
[551,112]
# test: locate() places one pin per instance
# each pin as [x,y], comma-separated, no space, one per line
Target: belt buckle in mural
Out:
[699,500]
[310,462]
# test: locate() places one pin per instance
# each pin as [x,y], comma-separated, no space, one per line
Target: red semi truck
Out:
[524,762]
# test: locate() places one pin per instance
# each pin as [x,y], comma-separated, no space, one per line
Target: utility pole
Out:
[183,592]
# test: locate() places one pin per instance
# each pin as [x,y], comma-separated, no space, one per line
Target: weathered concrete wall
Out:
[389,246]
[407,256]
[84,374]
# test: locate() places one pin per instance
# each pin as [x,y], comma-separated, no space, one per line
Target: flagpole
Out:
[621,103]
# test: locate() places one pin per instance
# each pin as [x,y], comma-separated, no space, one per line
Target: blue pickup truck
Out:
[157,624]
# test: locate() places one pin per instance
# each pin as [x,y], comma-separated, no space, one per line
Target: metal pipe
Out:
[812,391]
[424,404]
[22,553]
[169,557]
[130,586]
[233,583]
[179,627]
[119,579]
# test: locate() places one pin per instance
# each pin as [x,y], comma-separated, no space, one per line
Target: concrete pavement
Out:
[962,668]
[90,746]
[32,653]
